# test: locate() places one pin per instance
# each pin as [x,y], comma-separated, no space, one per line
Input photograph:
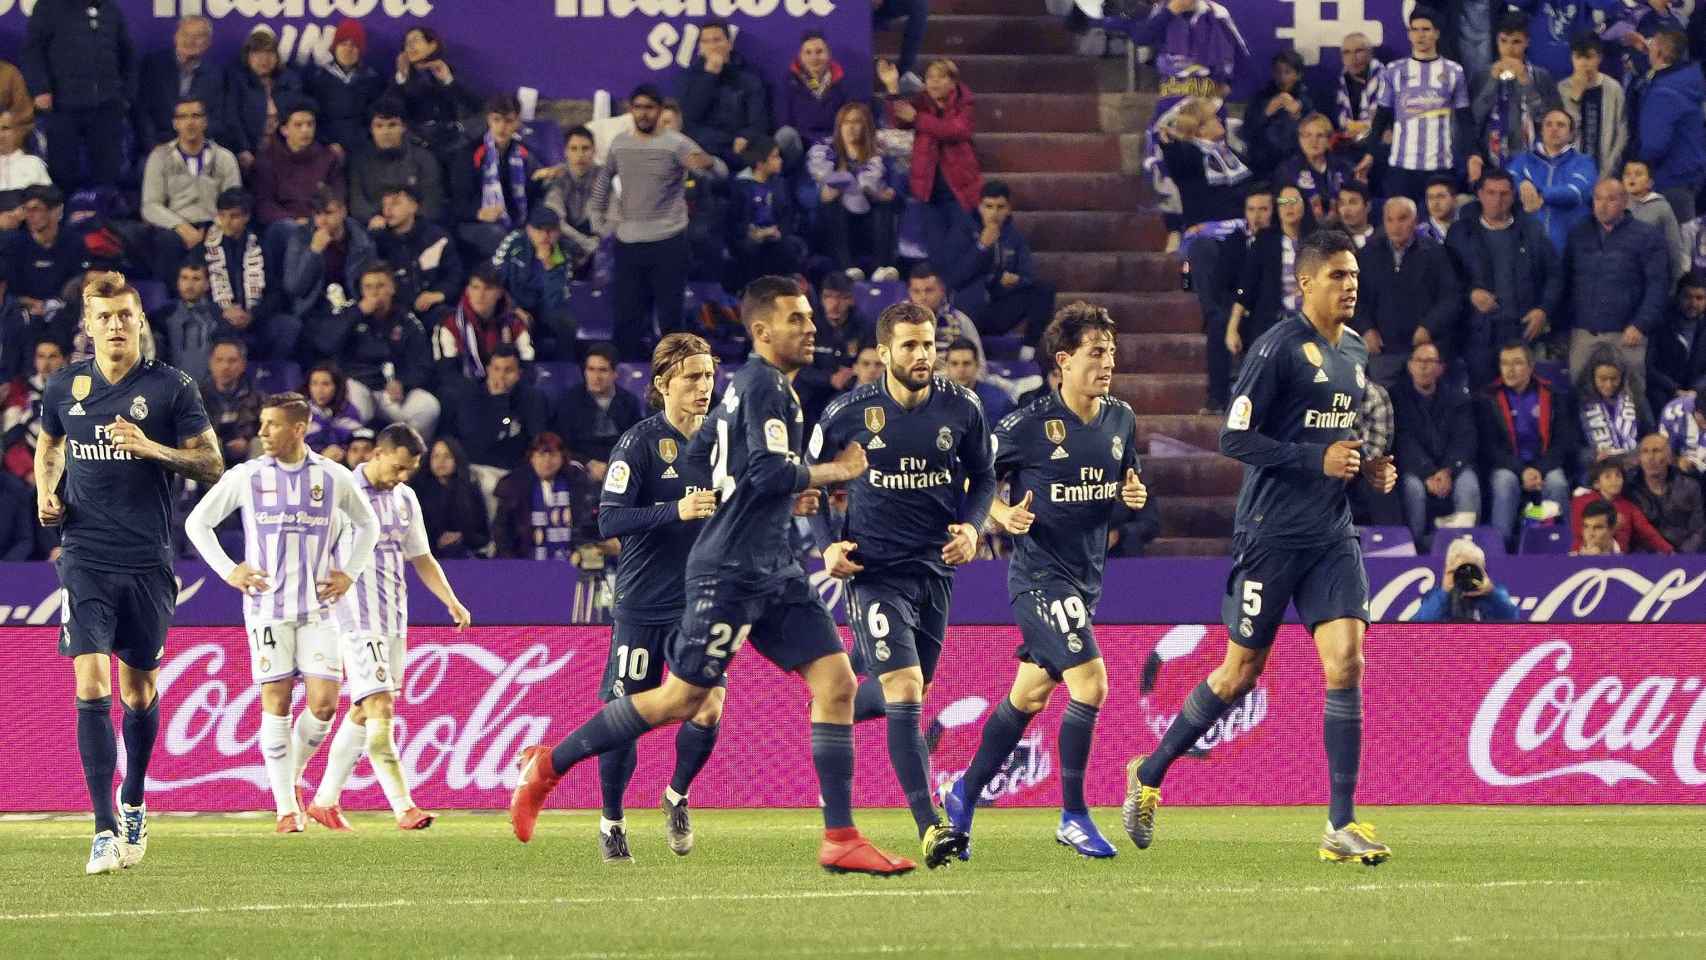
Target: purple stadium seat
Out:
[1550,538]
[699,294]
[595,315]
[634,378]
[545,139]
[1005,346]
[873,298]
[275,376]
[1489,539]
[154,294]
[1554,372]
[1387,542]
[1013,369]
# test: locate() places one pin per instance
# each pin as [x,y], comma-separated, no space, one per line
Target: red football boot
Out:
[415,818]
[846,851]
[332,817]
[536,783]
[289,823]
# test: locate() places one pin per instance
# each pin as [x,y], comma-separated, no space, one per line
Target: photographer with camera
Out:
[1466,593]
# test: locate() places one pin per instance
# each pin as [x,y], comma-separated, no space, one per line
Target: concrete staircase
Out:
[1055,127]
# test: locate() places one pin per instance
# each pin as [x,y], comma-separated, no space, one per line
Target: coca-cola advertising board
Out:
[1476,714]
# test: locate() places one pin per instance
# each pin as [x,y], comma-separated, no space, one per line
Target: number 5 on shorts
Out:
[725,640]
[1252,597]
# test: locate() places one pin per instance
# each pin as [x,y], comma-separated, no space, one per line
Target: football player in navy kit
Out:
[1292,422]
[1070,455]
[912,516]
[113,428]
[655,500]
[744,581]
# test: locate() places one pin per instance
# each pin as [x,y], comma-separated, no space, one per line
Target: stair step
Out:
[1162,353]
[1126,272]
[1038,113]
[1162,392]
[1189,547]
[956,35]
[975,8]
[1199,431]
[1150,312]
[1010,73]
[1045,152]
[1091,230]
[1078,191]
[1196,516]
[1207,474]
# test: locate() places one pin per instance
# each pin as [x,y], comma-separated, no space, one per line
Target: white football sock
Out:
[309,734]
[605,826]
[275,750]
[345,752]
[673,797]
[382,753]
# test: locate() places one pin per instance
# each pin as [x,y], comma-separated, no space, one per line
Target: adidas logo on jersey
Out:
[875,444]
[669,473]
[1058,454]
[1321,376]
[75,411]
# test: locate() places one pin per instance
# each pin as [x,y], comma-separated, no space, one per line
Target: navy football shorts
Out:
[638,652]
[898,622]
[114,612]
[789,626]
[1054,622]
[1325,583]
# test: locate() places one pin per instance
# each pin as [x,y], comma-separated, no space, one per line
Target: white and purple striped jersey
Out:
[289,531]
[378,603]
[1423,96]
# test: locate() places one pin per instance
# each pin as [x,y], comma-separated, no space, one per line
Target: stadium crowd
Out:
[398,246]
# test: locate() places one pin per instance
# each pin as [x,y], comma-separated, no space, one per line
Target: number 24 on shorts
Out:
[725,640]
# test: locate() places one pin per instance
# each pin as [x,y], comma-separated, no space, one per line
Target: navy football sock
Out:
[1001,733]
[869,703]
[1077,729]
[693,746]
[618,723]
[911,764]
[99,752]
[615,769]
[832,755]
[1342,733]
[1202,708]
[140,729]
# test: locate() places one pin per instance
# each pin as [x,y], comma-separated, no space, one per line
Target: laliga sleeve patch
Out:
[1238,418]
[817,441]
[776,436]
[616,478]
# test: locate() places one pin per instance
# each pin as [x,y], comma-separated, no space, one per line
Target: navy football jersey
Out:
[1296,395]
[118,508]
[921,461]
[750,446]
[1075,471]
[648,473]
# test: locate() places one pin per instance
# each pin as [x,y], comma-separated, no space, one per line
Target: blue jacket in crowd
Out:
[1565,181]
[971,271]
[1494,607]
[1616,277]
[1673,130]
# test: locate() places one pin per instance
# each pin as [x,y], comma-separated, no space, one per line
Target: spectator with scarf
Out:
[1684,425]
[1594,102]
[1355,92]
[1611,417]
[1555,180]
[809,105]
[483,320]
[346,90]
[1312,169]
[540,505]
[1207,171]
[855,213]
[458,521]
[1273,116]
[236,266]
[1512,96]
[1267,284]
[332,418]
[494,182]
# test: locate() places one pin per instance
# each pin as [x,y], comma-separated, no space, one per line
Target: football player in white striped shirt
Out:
[289,499]
[373,619]
[1424,102]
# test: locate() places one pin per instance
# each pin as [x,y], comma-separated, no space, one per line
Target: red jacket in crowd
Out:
[943,139]
[1632,525]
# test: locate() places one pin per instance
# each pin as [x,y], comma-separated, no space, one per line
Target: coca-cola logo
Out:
[1537,718]
[1576,597]
[214,728]
[1026,768]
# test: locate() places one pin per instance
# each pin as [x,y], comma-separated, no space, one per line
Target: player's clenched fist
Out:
[697,505]
[837,559]
[1017,519]
[247,579]
[49,510]
[1343,460]
[961,546]
[1134,494]
[851,461]
[1381,473]
[808,502]
[127,437]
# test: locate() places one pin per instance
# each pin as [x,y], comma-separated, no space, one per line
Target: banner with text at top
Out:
[562,48]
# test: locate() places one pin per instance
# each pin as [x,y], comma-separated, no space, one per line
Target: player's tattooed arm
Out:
[49,467]
[198,459]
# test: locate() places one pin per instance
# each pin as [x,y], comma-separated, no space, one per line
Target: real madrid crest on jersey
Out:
[139,407]
[944,439]
[1362,382]
[1312,353]
[1119,447]
[875,419]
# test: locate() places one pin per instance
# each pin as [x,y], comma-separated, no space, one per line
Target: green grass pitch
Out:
[1519,882]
